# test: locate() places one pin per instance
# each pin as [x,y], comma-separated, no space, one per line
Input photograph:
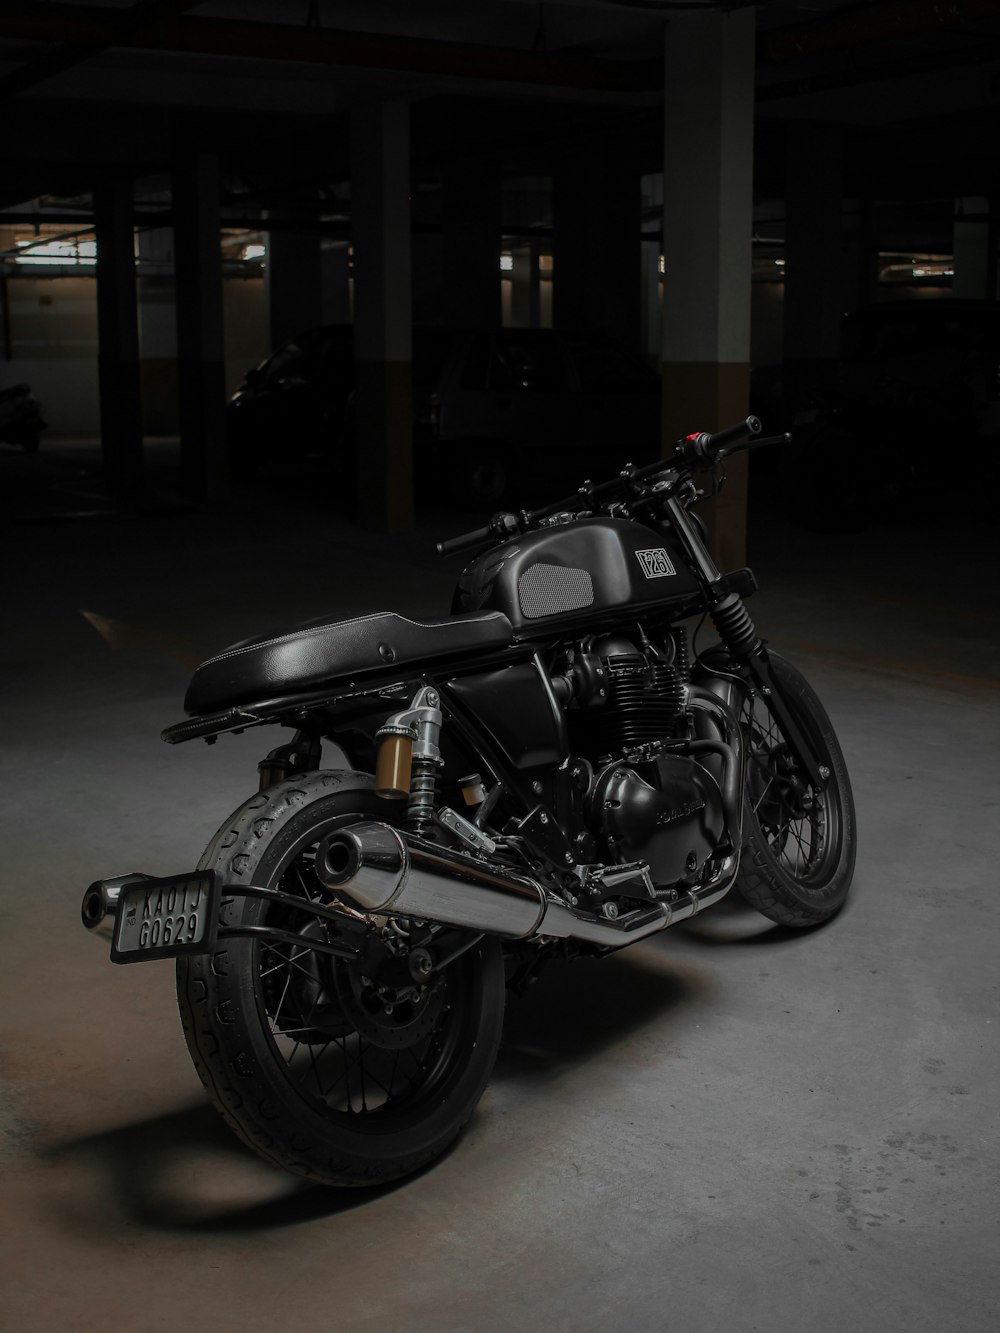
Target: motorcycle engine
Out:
[669,816]
[664,809]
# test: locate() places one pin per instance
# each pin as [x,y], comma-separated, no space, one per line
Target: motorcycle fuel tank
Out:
[575,571]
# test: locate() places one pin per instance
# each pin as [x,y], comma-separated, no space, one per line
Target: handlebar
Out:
[696,452]
[704,448]
[498,529]
[465,541]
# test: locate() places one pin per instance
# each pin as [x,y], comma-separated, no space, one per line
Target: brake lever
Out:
[768,440]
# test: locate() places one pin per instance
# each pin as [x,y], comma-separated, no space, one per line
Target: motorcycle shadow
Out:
[575,1010]
[734,922]
[185,1171]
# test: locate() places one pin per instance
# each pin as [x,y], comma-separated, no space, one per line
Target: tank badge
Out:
[655,563]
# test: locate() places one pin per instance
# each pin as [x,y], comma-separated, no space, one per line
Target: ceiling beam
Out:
[98,27]
[55,60]
[869,24]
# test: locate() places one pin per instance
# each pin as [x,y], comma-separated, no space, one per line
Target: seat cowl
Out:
[318,652]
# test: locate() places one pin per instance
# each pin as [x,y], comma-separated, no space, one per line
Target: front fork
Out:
[739,636]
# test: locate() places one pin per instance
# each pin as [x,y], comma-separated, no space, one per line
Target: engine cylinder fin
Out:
[644,700]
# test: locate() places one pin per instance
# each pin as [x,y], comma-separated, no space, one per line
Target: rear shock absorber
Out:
[734,625]
[410,755]
[423,793]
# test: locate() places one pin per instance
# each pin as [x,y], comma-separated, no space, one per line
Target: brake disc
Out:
[388,1016]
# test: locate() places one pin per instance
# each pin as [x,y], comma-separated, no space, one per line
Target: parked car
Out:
[491,408]
[21,420]
[916,381]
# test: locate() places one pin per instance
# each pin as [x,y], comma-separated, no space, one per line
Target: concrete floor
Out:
[730,1126]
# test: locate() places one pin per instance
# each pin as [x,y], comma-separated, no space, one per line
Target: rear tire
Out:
[306,1065]
[799,844]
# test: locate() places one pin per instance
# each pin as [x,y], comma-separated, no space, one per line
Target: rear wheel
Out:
[799,841]
[344,1071]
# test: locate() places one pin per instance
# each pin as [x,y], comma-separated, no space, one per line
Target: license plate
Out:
[165,918]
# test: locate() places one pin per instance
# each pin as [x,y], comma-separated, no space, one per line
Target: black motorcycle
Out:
[547,772]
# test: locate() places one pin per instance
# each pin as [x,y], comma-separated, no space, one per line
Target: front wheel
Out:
[343,1071]
[799,842]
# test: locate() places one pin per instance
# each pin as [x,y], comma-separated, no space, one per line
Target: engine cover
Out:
[674,826]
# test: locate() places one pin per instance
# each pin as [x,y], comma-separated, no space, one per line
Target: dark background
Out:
[731,1125]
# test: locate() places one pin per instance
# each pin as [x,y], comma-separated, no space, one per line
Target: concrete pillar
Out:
[523,310]
[597,279]
[651,280]
[157,331]
[200,344]
[867,254]
[974,250]
[814,293]
[118,335]
[707,243]
[380,206]
[293,277]
[471,206]
[336,262]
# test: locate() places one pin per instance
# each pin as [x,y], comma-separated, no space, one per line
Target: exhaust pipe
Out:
[100,903]
[380,872]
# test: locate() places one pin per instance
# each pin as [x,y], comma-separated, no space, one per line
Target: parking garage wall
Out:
[50,342]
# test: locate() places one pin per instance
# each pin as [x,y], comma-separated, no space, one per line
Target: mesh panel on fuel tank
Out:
[546,590]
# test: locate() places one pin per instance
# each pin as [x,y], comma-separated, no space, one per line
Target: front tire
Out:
[307,1066]
[799,843]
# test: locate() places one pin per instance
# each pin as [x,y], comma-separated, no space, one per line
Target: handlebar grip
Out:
[465,541]
[732,434]
[702,450]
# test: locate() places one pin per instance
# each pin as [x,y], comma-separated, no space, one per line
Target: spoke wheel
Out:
[799,839]
[345,1070]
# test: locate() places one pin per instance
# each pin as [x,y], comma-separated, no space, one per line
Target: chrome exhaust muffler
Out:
[373,866]
[100,903]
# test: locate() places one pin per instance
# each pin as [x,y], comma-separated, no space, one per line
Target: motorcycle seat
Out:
[320,651]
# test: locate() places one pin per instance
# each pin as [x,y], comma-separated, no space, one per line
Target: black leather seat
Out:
[313,654]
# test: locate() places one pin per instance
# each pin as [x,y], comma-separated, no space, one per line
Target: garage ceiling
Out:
[268,83]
